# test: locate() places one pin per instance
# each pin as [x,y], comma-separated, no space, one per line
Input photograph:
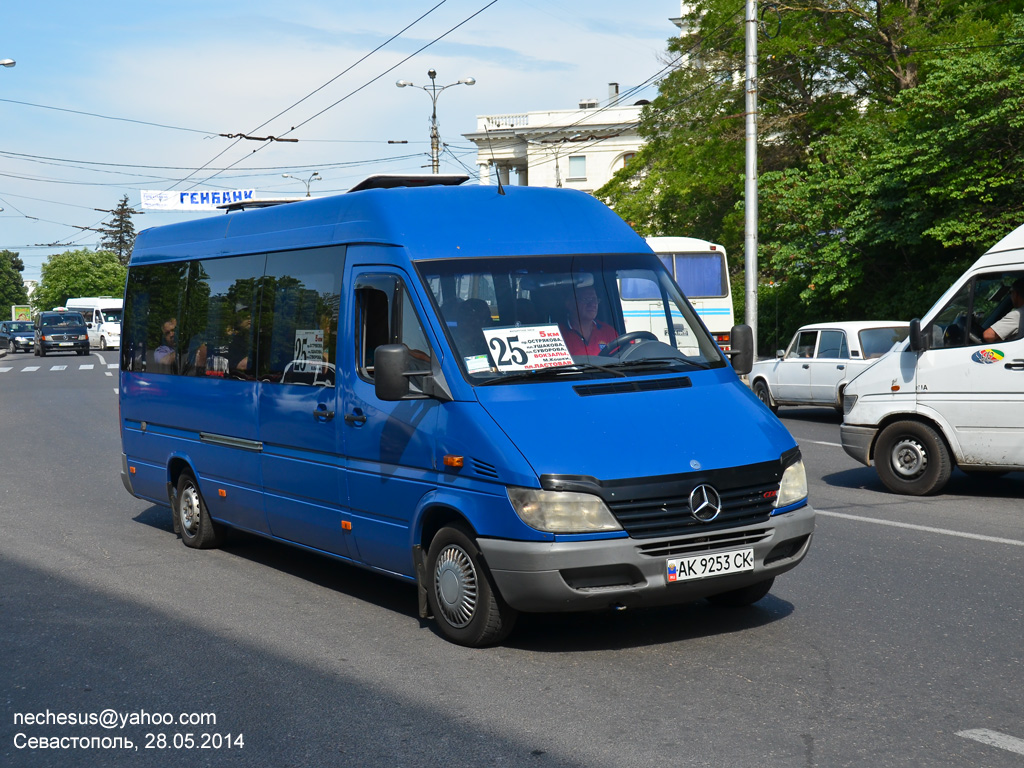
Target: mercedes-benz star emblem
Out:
[705,503]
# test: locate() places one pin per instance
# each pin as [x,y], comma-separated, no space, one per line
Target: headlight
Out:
[82,338]
[793,486]
[562,511]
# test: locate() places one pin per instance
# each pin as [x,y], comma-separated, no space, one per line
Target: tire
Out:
[465,603]
[764,395]
[198,530]
[11,348]
[839,401]
[912,458]
[42,352]
[744,596]
[103,343]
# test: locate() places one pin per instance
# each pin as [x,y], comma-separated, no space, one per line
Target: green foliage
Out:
[119,232]
[83,272]
[12,286]
[890,150]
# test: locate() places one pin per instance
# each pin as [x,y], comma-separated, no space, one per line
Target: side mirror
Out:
[918,339]
[389,366]
[780,353]
[742,349]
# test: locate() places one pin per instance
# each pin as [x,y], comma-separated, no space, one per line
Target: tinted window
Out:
[298,318]
[833,344]
[385,315]
[154,300]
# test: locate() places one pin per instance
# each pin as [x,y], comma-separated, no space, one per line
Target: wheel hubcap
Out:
[188,507]
[909,458]
[455,586]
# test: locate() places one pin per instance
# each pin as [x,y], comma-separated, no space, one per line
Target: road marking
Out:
[86,367]
[995,739]
[821,442]
[28,368]
[925,528]
[107,373]
[58,367]
[5,370]
[112,365]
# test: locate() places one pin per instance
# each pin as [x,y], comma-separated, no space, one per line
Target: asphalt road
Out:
[898,642]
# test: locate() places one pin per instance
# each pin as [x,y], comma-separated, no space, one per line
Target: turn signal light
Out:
[453,461]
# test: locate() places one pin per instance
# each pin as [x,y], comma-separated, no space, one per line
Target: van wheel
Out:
[466,605]
[103,344]
[761,390]
[738,598]
[41,351]
[197,529]
[912,458]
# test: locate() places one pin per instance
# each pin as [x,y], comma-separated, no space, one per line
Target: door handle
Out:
[322,413]
[356,418]
[806,365]
[840,367]
[1016,365]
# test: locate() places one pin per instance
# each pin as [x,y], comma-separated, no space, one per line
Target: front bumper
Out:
[857,441]
[20,344]
[593,575]
[64,346]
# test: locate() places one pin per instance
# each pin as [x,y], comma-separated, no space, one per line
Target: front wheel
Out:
[103,343]
[465,603]
[761,390]
[191,516]
[912,458]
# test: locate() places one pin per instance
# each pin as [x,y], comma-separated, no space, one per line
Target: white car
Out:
[820,360]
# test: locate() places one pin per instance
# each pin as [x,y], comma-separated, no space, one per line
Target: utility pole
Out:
[750,189]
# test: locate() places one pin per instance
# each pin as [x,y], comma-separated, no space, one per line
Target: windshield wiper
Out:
[556,370]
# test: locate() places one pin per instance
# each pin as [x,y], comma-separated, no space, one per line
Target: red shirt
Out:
[600,336]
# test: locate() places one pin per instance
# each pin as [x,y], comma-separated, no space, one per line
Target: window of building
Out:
[578,168]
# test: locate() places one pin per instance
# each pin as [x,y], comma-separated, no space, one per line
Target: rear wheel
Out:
[912,458]
[761,390]
[466,605]
[103,343]
[743,596]
[197,528]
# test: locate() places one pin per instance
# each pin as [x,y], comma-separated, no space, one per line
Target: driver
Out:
[1008,327]
[583,333]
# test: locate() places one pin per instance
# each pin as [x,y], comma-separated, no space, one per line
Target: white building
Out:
[575,148]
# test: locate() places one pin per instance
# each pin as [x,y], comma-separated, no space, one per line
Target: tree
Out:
[12,285]
[896,205]
[79,273]
[119,232]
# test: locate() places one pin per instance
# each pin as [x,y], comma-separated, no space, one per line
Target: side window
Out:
[980,304]
[215,332]
[385,315]
[833,345]
[803,344]
[149,339]
[298,316]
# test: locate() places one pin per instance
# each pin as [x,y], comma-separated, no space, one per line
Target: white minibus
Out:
[102,317]
[953,392]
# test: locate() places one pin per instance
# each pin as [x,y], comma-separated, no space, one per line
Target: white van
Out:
[102,317]
[953,392]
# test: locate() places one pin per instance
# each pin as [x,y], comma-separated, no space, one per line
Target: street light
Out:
[7,62]
[433,91]
[315,177]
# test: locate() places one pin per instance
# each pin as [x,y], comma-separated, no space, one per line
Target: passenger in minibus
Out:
[584,334]
[1009,325]
[166,353]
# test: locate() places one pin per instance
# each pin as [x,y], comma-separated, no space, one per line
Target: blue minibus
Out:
[436,382]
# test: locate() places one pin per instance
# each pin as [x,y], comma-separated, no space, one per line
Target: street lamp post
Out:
[433,91]
[315,177]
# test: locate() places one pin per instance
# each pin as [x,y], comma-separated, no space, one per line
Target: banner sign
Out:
[194,201]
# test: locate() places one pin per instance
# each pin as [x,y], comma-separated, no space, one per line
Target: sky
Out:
[109,98]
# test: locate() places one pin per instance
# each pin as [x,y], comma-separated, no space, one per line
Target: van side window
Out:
[298,316]
[976,306]
[152,307]
[215,331]
[385,315]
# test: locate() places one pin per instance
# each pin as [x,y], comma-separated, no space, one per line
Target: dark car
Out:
[61,332]
[16,335]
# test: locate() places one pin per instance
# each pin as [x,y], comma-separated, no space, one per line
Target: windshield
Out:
[516,318]
[19,327]
[63,319]
[111,315]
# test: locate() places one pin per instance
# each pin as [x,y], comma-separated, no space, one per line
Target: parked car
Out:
[16,335]
[821,360]
[61,332]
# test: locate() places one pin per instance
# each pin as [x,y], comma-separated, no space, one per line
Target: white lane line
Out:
[821,442]
[29,368]
[86,367]
[5,370]
[58,367]
[112,365]
[995,739]
[108,373]
[925,528]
